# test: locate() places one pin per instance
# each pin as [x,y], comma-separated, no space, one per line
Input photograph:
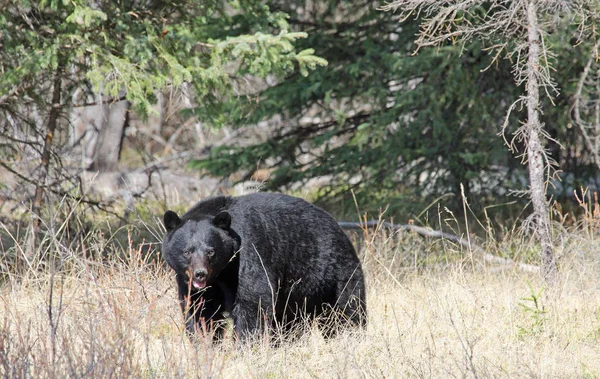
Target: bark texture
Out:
[535,150]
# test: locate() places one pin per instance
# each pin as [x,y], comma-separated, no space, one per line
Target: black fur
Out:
[269,257]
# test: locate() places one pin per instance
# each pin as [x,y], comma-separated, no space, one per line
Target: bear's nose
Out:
[200,274]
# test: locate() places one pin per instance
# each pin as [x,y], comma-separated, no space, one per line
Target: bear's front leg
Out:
[251,317]
[203,316]
[202,311]
[187,308]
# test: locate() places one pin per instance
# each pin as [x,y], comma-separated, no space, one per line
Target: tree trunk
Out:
[535,151]
[45,162]
[115,117]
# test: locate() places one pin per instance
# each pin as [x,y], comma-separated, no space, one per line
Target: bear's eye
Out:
[187,253]
[210,253]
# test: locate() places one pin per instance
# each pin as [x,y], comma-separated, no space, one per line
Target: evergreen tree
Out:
[392,127]
[52,48]
[385,125]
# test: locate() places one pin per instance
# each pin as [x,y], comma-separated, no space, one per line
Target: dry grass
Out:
[121,318]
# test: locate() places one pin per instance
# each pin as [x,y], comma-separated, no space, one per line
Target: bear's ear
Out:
[171,220]
[222,220]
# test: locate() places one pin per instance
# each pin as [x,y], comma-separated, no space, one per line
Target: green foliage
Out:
[387,126]
[392,127]
[535,311]
[142,47]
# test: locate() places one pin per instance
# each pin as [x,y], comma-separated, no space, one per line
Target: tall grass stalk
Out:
[80,309]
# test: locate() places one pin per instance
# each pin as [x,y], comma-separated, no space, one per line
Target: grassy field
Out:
[434,311]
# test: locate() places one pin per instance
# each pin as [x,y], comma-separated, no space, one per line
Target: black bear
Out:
[265,259]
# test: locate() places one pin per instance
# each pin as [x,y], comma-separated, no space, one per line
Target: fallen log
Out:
[432,233]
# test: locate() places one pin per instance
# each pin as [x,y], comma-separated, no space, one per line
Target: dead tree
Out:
[535,150]
[114,120]
[515,28]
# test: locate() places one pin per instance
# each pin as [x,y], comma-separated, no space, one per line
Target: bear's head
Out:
[198,249]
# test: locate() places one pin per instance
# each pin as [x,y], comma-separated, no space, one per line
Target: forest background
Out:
[113,112]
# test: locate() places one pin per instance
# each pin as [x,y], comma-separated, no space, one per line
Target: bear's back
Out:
[208,207]
[278,221]
[278,205]
[288,224]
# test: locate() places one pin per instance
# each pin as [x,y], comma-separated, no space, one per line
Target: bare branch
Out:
[590,104]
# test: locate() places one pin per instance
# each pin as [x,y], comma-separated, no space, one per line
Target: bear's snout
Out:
[199,271]
[199,278]
[200,274]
